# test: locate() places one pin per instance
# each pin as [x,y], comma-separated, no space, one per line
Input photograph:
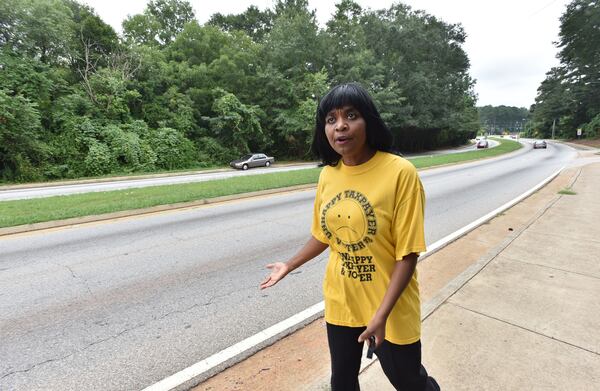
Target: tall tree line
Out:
[569,98]
[77,99]
[500,119]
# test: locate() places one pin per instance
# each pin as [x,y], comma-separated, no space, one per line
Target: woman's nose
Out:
[340,124]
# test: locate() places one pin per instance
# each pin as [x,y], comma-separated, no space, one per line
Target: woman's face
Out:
[346,131]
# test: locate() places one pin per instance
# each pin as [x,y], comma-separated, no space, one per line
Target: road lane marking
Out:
[468,228]
[204,366]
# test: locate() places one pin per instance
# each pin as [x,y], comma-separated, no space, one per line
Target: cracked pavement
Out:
[118,306]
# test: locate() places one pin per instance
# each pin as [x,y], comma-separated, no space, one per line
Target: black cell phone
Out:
[371,349]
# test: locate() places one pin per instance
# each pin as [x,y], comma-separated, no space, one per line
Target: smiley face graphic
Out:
[347,220]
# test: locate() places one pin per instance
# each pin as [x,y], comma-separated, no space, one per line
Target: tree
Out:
[172,91]
[38,28]
[254,22]
[92,40]
[20,149]
[570,94]
[496,119]
[160,23]
[236,124]
[294,45]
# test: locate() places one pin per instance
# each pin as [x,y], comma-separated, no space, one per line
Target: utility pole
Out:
[553,124]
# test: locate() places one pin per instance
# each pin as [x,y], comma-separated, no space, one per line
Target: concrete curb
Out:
[203,370]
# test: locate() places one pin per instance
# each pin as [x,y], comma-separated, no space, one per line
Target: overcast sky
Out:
[509,42]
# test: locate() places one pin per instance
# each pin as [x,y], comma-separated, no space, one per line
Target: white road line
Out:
[466,229]
[207,364]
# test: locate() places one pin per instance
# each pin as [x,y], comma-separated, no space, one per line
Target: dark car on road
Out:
[252,160]
[482,144]
[539,144]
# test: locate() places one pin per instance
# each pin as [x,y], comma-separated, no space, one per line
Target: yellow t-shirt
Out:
[371,216]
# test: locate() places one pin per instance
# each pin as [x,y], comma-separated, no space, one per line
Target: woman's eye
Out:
[330,120]
[351,115]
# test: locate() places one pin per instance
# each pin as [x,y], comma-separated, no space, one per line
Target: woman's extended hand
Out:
[278,271]
[376,327]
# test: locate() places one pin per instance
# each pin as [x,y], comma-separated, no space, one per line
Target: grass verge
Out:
[505,146]
[38,210]
[567,191]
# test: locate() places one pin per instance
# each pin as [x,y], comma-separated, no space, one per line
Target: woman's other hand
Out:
[278,271]
[376,327]
[311,249]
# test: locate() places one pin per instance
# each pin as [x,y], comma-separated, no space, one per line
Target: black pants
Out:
[400,363]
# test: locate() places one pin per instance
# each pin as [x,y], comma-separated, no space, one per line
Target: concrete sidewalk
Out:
[526,315]
[512,305]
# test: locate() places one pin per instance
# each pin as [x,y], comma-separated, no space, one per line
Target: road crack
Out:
[78,278]
[206,303]
[34,366]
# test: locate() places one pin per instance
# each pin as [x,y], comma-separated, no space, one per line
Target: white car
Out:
[539,144]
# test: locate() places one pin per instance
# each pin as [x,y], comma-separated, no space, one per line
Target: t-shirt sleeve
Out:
[409,214]
[315,229]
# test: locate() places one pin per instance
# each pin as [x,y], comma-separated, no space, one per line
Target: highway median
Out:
[145,200]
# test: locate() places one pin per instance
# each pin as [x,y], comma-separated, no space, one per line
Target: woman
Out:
[369,210]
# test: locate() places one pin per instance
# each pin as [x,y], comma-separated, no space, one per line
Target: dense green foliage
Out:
[502,119]
[569,97]
[77,99]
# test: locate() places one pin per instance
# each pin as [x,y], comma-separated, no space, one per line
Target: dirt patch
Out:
[590,142]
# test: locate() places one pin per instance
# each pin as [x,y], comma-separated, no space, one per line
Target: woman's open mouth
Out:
[342,140]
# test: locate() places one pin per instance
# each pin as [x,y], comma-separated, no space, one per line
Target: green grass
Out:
[430,161]
[38,210]
[19,212]
[567,191]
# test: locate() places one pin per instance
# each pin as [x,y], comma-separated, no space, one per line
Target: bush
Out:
[124,147]
[20,128]
[98,160]
[172,149]
[212,152]
[592,128]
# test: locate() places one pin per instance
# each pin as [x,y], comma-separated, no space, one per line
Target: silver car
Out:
[539,144]
[252,160]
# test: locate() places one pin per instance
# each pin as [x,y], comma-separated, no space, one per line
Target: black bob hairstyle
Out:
[379,137]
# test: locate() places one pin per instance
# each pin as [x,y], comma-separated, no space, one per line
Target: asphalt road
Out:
[121,305]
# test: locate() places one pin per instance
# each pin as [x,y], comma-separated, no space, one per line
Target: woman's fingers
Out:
[270,280]
[364,335]
[367,333]
[274,277]
[264,285]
